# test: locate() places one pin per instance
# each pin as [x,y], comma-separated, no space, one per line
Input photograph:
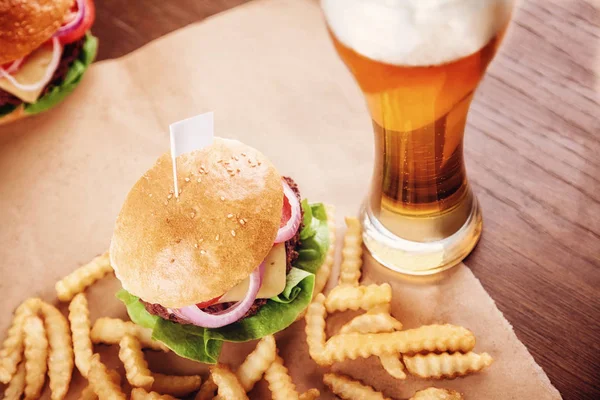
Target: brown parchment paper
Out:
[269,72]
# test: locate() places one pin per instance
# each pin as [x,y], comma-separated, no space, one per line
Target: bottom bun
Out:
[16,114]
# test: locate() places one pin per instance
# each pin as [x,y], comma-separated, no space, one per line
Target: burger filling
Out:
[70,53]
[291,254]
[74,61]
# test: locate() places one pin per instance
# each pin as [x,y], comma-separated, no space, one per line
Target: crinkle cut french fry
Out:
[372,323]
[324,271]
[207,390]
[36,357]
[280,381]
[229,387]
[60,361]
[79,317]
[136,367]
[342,298]
[12,348]
[349,389]
[82,277]
[393,365]
[315,329]
[425,338]
[178,386]
[351,253]
[310,394]
[89,394]
[141,394]
[257,362]
[112,330]
[102,382]
[436,394]
[15,388]
[446,365]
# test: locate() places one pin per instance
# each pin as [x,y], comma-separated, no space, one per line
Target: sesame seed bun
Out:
[26,24]
[179,252]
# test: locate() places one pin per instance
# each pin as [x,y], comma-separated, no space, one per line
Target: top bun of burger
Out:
[182,251]
[26,24]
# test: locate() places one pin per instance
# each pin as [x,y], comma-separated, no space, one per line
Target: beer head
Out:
[416,32]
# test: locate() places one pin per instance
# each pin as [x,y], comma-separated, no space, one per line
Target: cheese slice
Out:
[31,71]
[273,278]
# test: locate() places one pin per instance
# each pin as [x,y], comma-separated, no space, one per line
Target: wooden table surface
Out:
[532,149]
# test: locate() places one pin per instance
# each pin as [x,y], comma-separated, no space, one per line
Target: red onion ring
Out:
[290,228]
[14,66]
[75,22]
[52,65]
[198,317]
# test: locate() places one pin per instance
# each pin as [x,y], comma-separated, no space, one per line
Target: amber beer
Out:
[421,216]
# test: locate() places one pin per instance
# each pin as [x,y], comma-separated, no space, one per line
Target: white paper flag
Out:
[189,135]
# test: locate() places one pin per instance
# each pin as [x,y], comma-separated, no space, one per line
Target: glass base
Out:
[421,257]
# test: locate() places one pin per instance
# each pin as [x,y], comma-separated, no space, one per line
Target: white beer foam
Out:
[416,32]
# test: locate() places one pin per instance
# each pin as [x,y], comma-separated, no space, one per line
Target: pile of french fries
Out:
[42,342]
[448,348]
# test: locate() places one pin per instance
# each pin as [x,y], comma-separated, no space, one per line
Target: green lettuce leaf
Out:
[57,93]
[204,345]
[314,247]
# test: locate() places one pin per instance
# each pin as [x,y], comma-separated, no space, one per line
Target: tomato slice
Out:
[207,303]
[286,212]
[86,24]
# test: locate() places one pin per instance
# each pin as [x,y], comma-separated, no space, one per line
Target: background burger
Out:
[232,258]
[45,48]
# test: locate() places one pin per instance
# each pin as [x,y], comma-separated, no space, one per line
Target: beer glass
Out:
[418,63]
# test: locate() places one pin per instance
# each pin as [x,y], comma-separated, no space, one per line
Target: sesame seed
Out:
[149,194]
[232,233]
[178,241]
[219,161]
[187,179]
[229,215]
[172,260]
[196,245]
[229,169]
[201,240]
[236,158]
[202,252]
[192,215]
[243,154]
[169,196]
[249,161]
[222,198]
[238,170]
[217,237]
[242,221]
[259,163]
[199,180]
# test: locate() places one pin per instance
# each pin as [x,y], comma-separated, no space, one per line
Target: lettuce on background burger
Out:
[232,258]
[45,48]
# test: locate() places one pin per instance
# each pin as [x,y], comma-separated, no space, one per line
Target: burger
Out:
[231,257]
[45,48]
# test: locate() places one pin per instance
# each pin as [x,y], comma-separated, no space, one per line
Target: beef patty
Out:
[291,256]
[70,53]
